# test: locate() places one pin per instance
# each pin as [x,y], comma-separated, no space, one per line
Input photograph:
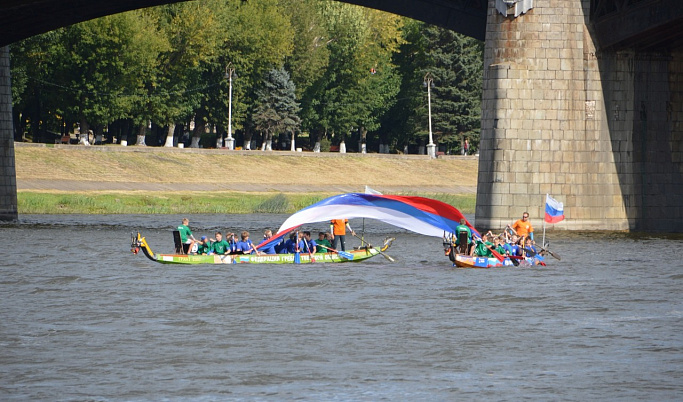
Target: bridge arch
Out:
[21,19]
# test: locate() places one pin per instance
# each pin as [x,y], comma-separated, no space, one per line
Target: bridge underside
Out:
[21,19]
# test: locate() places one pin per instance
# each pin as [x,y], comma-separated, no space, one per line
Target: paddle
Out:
[529,251]
[513,259]
[555,256]
[496,254]
[309,250]
[297,256]
[532,253]
[342,254]
[379,251]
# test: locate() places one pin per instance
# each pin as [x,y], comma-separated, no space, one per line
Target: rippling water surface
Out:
[84,319]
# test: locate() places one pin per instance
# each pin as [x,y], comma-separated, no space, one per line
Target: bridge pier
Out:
[599,131]
[8,177]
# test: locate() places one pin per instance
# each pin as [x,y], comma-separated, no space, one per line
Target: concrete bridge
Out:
[583,99]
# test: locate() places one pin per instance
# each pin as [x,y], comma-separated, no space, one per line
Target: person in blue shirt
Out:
[289,245]
[512,247]
[232,242]
[309,244]
[301,243]
[246,246]
[267,234]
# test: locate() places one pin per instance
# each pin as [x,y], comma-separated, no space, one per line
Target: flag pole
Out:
[546,201]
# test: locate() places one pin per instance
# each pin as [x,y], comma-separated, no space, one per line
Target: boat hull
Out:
[358,255]
[466,261]
[139,243]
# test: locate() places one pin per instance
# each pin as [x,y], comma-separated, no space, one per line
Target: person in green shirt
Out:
[186,236]
[463,228]
[498,244]
[323,243]
[482,247]
[220,246]
[204,246]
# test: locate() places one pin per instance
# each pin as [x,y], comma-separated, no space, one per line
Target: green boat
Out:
[138,243]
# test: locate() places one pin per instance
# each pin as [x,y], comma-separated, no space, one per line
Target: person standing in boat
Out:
[338,229]
[186,236]
[523,227]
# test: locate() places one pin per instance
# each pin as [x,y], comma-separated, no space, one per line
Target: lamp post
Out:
[428,82]
[229,71]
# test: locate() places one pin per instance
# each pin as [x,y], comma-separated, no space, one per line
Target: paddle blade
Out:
[497,255]
[387,256]
[555,255]
[344,254]
[297,258]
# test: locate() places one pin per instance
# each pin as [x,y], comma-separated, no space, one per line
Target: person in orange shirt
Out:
[338,229]
[523,227]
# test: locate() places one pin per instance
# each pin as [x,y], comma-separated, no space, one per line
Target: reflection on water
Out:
[82,318]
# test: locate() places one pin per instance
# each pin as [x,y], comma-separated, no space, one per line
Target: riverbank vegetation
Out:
[31,202]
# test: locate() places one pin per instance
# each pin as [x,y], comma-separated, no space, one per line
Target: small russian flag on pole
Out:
[554,210]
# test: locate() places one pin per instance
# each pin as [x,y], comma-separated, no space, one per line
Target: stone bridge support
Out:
[601,131]
[8,178]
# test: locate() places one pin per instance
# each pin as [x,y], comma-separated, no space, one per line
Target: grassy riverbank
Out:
[31,202]
[132,180]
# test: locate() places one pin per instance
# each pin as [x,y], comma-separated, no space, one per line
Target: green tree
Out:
[456,63]
[36,107]
[101,61]
[404,118]
[310,55]
[360,82]
[259,39]
[277,109]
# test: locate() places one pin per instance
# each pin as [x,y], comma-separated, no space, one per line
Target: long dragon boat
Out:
[139,243]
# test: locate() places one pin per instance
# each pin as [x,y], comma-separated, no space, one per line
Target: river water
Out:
[82,318]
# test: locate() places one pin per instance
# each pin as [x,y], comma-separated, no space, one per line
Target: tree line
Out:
[317,73]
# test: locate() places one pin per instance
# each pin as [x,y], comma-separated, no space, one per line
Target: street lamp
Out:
[429,82]
[229,72]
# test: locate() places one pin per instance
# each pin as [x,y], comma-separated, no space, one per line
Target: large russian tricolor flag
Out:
[554,210]
[418,214]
